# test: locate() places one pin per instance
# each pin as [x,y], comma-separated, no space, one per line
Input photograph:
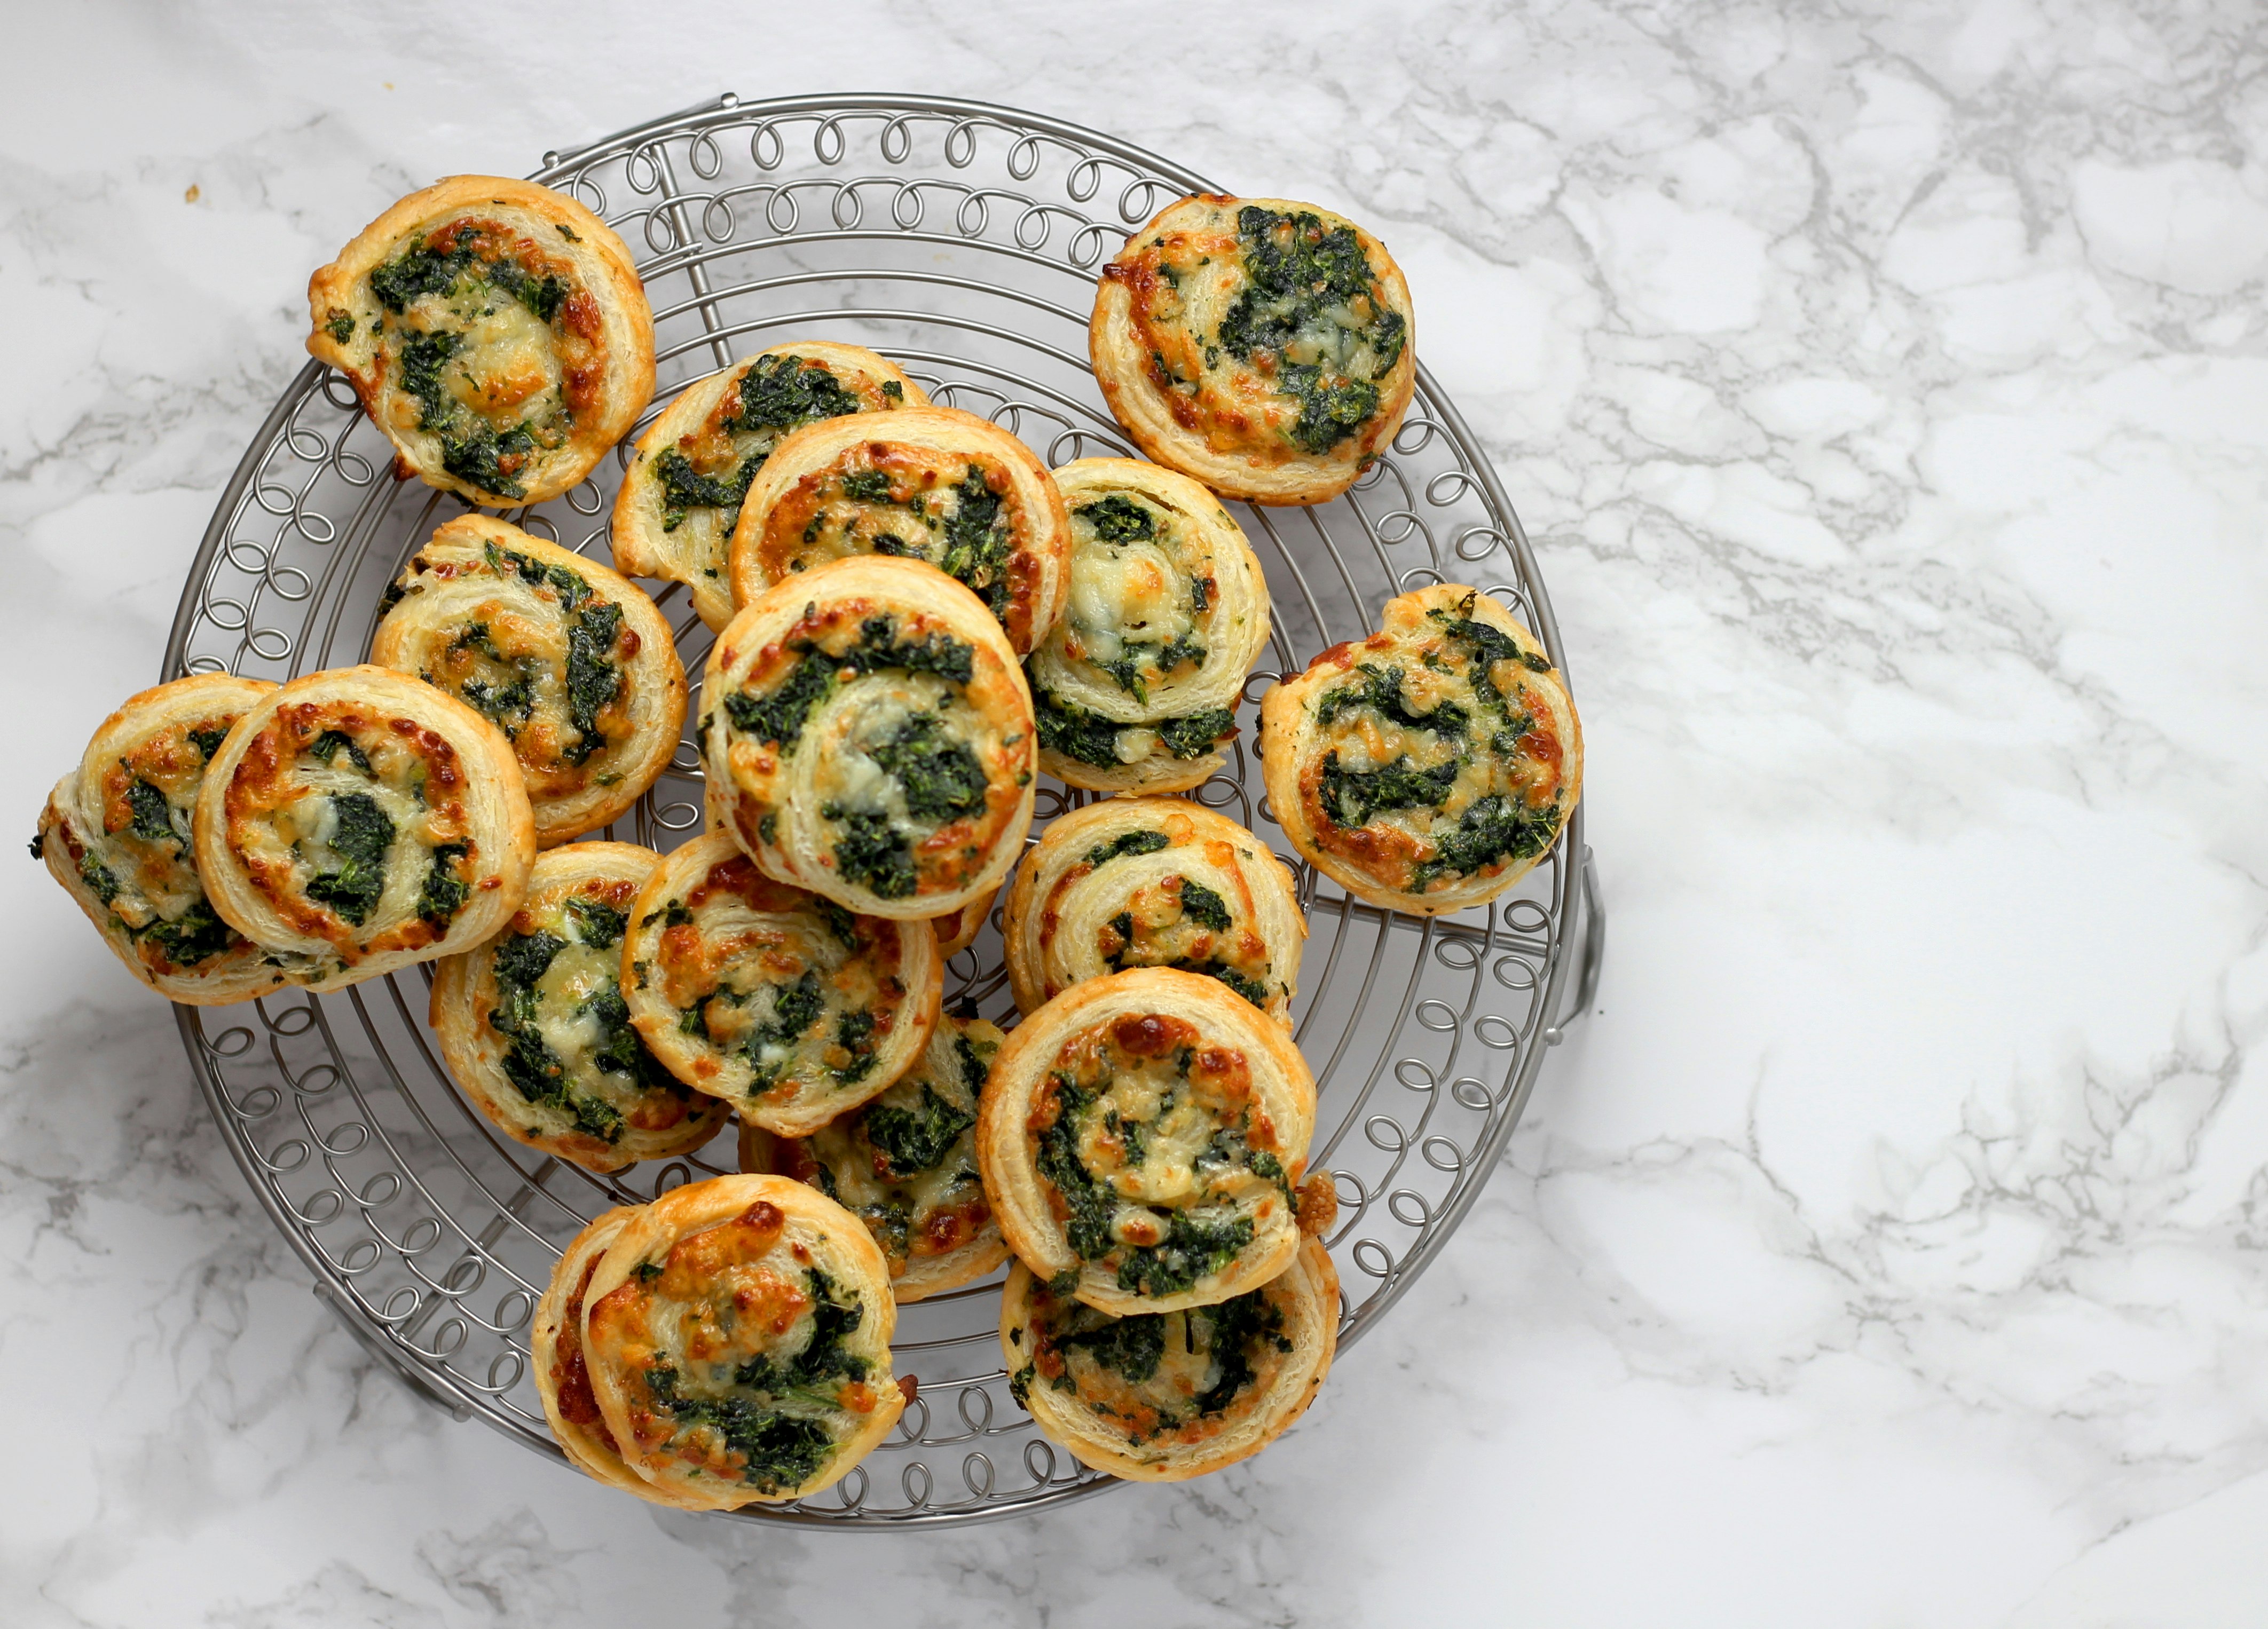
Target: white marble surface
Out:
[1884,386]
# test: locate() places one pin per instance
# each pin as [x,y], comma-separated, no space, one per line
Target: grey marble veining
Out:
[1883,387]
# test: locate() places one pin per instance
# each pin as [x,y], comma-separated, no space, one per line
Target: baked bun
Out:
[535,1030]
[737,1335]
[934,484]
[1153,881]
[681,493]
[571,660]
[869,736]
[1141,1138]
[1429,766]
[1136,687]
[563,1380]
[905,1165]
[496,330]
[782,1003]
[1263,346]
[362,820]
[1161,1397]
[115,834]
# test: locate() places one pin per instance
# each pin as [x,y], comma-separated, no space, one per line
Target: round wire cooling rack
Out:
[963,241]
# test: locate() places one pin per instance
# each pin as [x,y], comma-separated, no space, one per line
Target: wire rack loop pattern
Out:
[962,241]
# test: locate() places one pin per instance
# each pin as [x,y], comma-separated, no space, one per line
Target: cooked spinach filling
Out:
[208,741]
[685,488]
[154,820]
[444,893]
[425,269]
[361,836]
[913,1140]
[783,392]
[854,1032]
[192,937]
[1493,829]
[597,924]
[781,715]
[1379,690]
[535,1071]
[1119,519]
[1132,1347]
[811,1374]
[571,589]
[1300,281]
[795,1009]
[328,746]
[1086,738]
[1351,797]
[1087,1205]
[939,776]
[1205,907]
[593,679]
[98,877]
[1125,843]
[1249,987]
[780,1450]
[1165,658]
[1193,1247]
[976,536]
[873,852]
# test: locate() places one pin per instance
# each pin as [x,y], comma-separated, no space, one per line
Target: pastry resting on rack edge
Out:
[737,1335]
[115,834]
[496,332]
[1432,766]
[1161,1397]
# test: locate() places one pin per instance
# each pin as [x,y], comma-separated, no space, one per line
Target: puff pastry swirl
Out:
[1263,346]
[779,1002]
[1136,686]
[1161,1397]
[115,834]
[869,736]
[562,1379]
[571,660]
[1153,881]
[682,493]
[1142,1138]
[362,820]
[905,1165]
[495,330]
[737,1335]
[1429,766]
[932,484]
[536,1031]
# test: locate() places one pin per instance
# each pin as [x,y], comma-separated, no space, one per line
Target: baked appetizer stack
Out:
[915,619]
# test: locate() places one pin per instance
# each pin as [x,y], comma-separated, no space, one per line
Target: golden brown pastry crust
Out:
[524,632]
[1196,889]
[870,711]
[1157,1428]
[555,1350]
[903,486]
[957,932]
[1160,1220]
[1137,686]
[721,962]
[362,821]
[711,1280]
[550,975]
[548,333]
[721,431]
[1451,695]
[905,1165]
[115,834]
[1196,357]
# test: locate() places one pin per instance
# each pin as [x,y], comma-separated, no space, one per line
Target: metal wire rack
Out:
[963,240]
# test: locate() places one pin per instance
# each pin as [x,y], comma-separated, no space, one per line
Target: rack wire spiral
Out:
[963,240]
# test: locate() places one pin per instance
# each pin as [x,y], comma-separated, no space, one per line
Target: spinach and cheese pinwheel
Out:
[868,737]
[571,660]
[1143,1137]
[1153,881]
[1427,767]
[563,1379]
[682,493]
[737,1337]
[115,834]
[361,820]
[1161,1397]
[538,1035]
[905,1165]
[1137,685]
[781,1002]
[929,483]
[1263,346]
[496,332]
